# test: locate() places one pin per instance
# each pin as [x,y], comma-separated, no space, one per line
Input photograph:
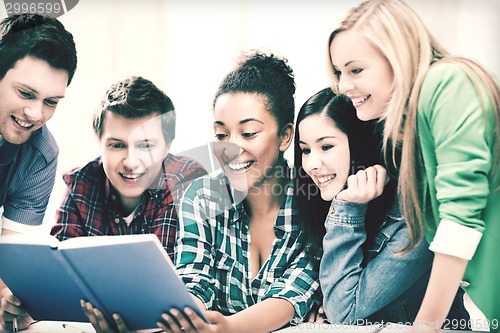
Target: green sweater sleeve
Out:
[456,133]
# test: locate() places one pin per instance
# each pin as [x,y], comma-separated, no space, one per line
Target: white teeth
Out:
[23,123]
[359,100]
[324,179]
[131,176]
[239,166]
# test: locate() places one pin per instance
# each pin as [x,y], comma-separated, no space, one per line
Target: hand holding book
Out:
[130,275]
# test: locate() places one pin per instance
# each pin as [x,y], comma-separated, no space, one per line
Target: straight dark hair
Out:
[364,144]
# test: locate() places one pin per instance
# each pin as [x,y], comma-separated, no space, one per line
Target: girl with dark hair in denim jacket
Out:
[363,274]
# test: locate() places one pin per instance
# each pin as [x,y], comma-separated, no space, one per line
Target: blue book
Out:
[131,275]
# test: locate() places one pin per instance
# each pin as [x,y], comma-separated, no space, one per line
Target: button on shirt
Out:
[212,252]
[91,206]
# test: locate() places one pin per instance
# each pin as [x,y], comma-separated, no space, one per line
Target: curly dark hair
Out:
[266,75]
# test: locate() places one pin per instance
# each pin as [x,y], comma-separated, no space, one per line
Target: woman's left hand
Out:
[189,321]
[365,185]
[316,315]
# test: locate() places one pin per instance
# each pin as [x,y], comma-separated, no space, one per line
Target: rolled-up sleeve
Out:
[192,255]
[299,284]
[456,129]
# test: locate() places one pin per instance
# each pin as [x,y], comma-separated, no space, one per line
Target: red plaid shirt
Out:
[91,206]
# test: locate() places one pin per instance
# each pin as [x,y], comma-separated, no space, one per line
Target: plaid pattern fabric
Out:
[91,206]
[212,252]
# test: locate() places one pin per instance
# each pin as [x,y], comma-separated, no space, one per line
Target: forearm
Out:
[347,284]
[336,281]
[266,316]
[446,275]
[199,303]
[340,269]
[5,232]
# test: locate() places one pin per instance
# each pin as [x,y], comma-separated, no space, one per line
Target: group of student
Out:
[386,214]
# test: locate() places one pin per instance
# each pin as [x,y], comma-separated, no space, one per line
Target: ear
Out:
[286,137]
[167,149]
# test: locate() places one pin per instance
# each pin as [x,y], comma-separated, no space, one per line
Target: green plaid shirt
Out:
[212,252]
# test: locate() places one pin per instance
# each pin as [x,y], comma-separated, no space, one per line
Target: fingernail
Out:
[188,311]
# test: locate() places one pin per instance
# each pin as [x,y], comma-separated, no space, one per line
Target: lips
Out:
[325,179]
[358,101]
[239,167]
[131,177]
[23,124]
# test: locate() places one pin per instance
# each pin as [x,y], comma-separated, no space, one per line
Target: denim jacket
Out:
[381,285]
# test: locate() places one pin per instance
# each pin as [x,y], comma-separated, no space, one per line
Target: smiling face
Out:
[325,154]
[29,93]
[132,152]
[253,143]
[363,73]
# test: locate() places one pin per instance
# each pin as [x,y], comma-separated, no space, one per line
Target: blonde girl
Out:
[441,139]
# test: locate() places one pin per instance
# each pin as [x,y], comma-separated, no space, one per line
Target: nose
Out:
[131,160]
[345,84]
[34,112]
[232,150]
[311,162]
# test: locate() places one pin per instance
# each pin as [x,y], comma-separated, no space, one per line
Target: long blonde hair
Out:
[400,35]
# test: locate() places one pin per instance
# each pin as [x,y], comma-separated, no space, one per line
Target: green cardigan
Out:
[457,140]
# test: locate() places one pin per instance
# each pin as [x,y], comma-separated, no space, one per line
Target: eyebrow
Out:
[320,139]
[326,137]
[349,62]
[152,140]
[114,139]
[244,121]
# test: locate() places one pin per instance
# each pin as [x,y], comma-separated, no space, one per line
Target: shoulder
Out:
[181,168]
[452,86]
[212,187]
[45,143]
[91,173]
[450,78]
[444,72]
[42,143]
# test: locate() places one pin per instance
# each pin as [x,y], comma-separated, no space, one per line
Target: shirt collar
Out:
[8,152]
[284,220]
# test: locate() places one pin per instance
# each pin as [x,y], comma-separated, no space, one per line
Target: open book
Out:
[130,275]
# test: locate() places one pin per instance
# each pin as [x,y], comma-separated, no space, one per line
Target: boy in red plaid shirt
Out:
[133,186]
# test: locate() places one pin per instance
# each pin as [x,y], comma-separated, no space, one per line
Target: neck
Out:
[129,204]
[269,194]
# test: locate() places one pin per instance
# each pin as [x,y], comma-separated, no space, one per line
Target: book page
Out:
[96,241]
[30,239]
